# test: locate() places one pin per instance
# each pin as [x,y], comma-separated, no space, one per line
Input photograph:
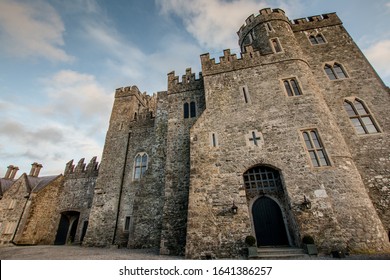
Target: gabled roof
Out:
[38,183]
[5,184]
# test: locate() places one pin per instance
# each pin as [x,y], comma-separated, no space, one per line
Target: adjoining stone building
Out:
[287,140]
[49,209]
[293,136]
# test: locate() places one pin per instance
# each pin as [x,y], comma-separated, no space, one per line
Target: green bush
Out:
[250,240]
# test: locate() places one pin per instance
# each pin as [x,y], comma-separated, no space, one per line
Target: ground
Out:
[47,252]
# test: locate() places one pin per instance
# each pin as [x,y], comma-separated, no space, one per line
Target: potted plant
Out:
[309,246]
[250,241]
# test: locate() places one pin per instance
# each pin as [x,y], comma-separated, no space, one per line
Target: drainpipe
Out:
[121,187]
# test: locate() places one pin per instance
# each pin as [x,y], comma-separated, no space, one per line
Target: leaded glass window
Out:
[360,117]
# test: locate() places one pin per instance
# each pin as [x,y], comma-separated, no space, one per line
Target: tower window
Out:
[140,165]
[317,39]
[213,139]
[335,72]
[315,148]
[192,109]
[292,87]
[186,111]
[360,117]
[127,223]
[245,94]
[276,45]
[268,27]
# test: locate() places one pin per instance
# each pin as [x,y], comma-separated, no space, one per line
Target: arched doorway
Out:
[268,222]
[262,184]
[67,227]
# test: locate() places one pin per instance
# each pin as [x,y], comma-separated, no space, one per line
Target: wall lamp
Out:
[306,204]
[234,209]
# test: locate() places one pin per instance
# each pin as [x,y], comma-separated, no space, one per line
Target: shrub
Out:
[250,240]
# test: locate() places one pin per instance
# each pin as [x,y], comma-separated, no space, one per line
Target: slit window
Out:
[127,223]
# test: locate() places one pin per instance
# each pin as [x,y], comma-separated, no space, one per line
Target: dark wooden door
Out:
[269,224]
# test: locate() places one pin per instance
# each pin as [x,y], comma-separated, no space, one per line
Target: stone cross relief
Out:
[254,138]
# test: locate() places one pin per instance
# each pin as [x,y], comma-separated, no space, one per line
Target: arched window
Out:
[315,148]
[140,165]
[360,117]
[335,71]
[262,179]
[186,110]
[276,45]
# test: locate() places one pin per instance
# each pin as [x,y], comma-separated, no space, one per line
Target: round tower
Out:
[269,32]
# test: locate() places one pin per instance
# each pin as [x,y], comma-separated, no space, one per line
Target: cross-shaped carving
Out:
[254,138]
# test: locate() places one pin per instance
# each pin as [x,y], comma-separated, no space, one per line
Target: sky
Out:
[61,61]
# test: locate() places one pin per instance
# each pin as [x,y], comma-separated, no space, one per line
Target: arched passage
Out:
[264,189]
[67,227]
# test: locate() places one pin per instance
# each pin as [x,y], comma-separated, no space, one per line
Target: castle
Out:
[290,139]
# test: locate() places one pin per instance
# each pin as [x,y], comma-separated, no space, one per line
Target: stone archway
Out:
[267,205]
[67,227]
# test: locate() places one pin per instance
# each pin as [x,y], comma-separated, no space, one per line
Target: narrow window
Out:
[360,117]
[245,94]
[315,148]
[135,116]
[292,87]
[192,109]
[127,223]
[276,45]
[140,165]
[335,72]
[186,111]
[268,27]
[213,138]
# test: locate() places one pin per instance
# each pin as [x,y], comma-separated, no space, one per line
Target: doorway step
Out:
[280,253]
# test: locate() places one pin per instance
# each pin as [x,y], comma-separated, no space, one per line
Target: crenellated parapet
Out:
[187,83]
[263,16]
[230,62]
[313,22]
[82,169]
[133,91]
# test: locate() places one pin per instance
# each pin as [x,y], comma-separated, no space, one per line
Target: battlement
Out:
[315,22]
[264,15]
[229,62]
[187,83]
[81,170]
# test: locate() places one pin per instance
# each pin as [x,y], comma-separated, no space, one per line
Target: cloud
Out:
[75,97]
[214,23]
[379,55]
[32,29]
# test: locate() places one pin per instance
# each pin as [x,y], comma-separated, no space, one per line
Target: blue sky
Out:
[61,61]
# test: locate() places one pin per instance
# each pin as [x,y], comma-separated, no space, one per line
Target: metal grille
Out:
[262,178]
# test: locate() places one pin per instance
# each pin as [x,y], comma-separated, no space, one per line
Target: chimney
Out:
[35,168]
[9,171]
[13,173]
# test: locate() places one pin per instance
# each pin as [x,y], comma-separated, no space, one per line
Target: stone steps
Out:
[279,253]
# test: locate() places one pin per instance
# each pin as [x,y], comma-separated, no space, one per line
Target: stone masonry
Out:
[286,139]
